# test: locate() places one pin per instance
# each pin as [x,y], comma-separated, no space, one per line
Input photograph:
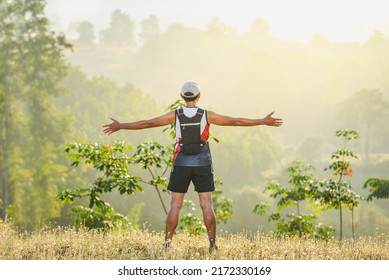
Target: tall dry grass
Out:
[72,244]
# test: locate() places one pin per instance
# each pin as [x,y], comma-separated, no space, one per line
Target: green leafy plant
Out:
[336,193]
[378,187]
[113,161]
[101,217]
[157,159]
[301,225]
[32,66]
[189,221]
[294,224]
[221,205]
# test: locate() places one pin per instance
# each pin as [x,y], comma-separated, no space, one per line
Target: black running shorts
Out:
[201,176]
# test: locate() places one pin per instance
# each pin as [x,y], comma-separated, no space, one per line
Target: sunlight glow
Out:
[296,20]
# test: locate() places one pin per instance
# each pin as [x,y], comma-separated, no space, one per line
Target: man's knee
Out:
[205,201]
[176,206]
[206,206]
[176,201]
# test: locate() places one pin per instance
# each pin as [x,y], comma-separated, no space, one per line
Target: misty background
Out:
[129,61]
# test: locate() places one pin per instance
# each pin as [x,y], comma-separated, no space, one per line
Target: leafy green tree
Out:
[150,29]
[301,225]
[11,92]
[222,205]
[378,187]
[300,177]
[31,71]
[337,193]
[86,33]
[114,162]
[102,217]
[120,31]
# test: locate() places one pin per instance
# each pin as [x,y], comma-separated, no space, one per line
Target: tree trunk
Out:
[340,222]
[352,223]
[4,146]
[160,198]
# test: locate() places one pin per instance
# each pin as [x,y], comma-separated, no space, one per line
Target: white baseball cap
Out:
[190,89]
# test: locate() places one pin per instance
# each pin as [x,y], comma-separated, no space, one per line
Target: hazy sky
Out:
[339,20]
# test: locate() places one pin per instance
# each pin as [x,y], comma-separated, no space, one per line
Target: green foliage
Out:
[120,31]
[341,166]
[300,225]
[31,67]
[323,232]
[296,225]
[379,188]
[332,194]
[260,208]
[113,161]
[102,217]
[337,194]
[222,207]
[189,221]
[153,155]
[300,178]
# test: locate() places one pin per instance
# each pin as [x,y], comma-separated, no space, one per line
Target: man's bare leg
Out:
[176,202]
[209,217]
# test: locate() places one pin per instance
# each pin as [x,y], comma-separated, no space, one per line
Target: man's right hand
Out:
[112,127]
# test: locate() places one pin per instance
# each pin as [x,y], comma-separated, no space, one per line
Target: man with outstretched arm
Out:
[192,161]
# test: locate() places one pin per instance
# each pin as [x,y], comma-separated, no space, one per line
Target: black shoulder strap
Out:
[180,111]
[181,116]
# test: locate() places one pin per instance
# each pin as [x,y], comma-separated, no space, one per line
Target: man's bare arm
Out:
[165,119]
[222,120]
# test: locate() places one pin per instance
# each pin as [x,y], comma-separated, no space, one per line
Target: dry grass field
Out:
[73,244]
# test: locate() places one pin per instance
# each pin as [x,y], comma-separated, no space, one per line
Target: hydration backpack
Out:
[191,143]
